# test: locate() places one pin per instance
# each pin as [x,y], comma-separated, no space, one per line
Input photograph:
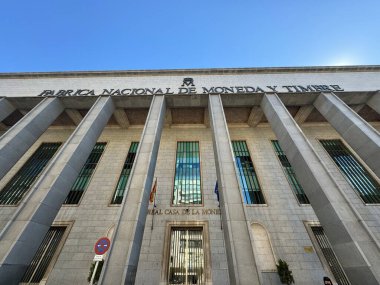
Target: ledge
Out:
[187,72]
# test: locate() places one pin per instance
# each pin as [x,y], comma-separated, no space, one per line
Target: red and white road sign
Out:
[102,245]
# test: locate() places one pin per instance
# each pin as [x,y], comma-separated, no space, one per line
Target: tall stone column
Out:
[18,139]
[374,102]
[22,236]
[241,262]
[360,135]
[122,260]
[353,243]
[6,108]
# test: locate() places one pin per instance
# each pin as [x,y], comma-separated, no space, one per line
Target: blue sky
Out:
[55,35]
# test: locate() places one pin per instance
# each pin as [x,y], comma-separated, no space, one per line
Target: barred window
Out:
[44,255]
[252,193]
[186,258]
[16,188]
[290,174]
[359,178]
[85,174]
[329,255]
[124,176]
[187,180]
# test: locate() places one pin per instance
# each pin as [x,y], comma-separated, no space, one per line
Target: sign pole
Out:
[94,272]
[100,248]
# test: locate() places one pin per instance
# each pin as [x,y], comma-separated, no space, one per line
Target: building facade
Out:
[194,176]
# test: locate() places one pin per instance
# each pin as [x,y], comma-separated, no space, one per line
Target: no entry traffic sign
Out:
[102,245]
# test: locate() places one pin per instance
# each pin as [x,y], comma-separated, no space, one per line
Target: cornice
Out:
[186,72]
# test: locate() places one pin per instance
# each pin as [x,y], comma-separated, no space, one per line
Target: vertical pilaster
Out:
[351,240]
[241,262]
[18,139]
[6,108]
[121,264]
[360,135]
[24,233]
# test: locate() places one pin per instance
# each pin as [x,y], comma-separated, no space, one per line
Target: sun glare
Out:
[344,60]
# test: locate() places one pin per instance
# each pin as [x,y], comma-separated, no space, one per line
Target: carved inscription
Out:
[188,87]
[184,212]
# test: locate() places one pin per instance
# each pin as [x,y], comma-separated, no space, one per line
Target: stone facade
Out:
[140,236]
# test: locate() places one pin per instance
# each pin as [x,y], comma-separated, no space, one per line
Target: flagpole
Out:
[154,203]
[220,214]
[216,191]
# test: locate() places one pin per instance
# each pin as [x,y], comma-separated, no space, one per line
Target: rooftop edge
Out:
[205,71]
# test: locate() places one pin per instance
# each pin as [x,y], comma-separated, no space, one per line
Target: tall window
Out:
[329,255]
[290,174]
[44,255]
[187,181]
[186,260]
[248,179]
[16,188]
[123,179]
[364,184]
[85,174]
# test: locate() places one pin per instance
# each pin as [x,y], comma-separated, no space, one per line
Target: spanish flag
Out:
[153,192]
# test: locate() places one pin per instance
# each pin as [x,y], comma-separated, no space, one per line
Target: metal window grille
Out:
[252,193]
[85,174]
[187,181]
[290,174]
[329,255]
[186,261]
[44,255]
[359,178]
[124,176]
[16,188]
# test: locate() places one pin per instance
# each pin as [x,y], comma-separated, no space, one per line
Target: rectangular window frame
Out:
[356,157]
[36,178]
[259,180]
[121,172]
[68,225]
[201,204]
[91,177]
[206,247]
[286,176]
